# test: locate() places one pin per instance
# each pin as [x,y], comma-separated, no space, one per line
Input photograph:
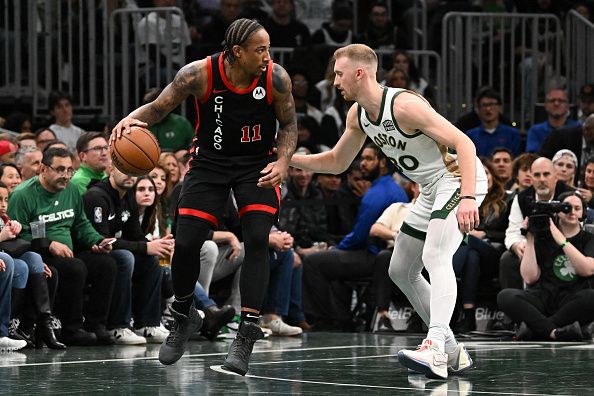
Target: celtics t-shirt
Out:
[174,132]
[557,271]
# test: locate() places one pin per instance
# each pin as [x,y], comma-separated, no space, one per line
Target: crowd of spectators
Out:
[108,237]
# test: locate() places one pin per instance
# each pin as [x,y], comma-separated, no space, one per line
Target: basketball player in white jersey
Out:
[432,152]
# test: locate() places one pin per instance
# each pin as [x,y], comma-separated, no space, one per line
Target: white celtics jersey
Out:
[416,155]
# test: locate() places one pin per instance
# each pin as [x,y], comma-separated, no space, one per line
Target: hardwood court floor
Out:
[315,364]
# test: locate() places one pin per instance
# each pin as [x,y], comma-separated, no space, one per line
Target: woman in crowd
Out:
[169,161]
[404,62]
[480,256]
[557,266]
[161,177]
[565,162]
[586,185]
[397,78]
[10,176]
[145,190]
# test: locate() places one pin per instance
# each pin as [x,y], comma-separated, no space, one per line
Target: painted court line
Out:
[221,370]
[184,356]
[320,360]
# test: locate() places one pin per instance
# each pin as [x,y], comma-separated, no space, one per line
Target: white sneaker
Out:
[426,359]
[280,328]
[459,360]
[125,336]
[9,345]
[153,334]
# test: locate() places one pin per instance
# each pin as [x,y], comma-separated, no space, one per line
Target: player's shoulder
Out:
[281,82]
[408,104]
[353,113]
[192,77]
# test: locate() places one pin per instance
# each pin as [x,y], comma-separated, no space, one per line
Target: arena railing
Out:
[480,49]
[430,67]
[54,45]
[419,25]
[132,71]
[16,31]
[579,39]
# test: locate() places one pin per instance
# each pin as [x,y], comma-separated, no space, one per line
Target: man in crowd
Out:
[492,133]
[60,107]
[353,257]
[51,199]
[557,108]
[111,207]
[28,160]
[93,153]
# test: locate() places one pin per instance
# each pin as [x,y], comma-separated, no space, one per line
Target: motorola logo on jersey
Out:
[259,93]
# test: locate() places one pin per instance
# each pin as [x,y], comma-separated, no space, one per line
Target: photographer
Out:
[545,187]
[557,266]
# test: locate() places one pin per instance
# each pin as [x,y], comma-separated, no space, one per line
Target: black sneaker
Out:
[78,337]
[241,349]
[215,319]
[17,331]
[571,332]
[523,333]
[104,337]
[174,346]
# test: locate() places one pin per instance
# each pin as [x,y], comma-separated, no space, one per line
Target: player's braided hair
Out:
[237,34]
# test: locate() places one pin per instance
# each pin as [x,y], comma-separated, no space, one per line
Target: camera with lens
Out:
[539,213]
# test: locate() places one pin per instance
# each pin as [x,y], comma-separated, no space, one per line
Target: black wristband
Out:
[468,197]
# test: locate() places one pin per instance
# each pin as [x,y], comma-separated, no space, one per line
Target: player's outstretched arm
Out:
[189,80]
[341,156]
[284,107]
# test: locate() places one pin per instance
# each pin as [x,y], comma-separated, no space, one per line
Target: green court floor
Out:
[315,364]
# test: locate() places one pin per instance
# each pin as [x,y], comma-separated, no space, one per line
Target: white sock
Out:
[450,341]
[437,334]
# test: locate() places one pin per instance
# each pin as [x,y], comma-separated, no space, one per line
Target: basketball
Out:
[135,153]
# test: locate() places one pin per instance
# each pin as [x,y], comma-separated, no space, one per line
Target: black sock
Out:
[183,304]
[250,317]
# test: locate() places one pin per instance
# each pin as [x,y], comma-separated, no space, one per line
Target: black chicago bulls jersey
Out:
[233,121]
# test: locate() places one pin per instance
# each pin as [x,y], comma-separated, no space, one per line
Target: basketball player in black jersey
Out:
[239,94]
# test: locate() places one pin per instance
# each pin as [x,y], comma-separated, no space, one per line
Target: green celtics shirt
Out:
[557,271]
[62,212]
[84,176]
[174,132]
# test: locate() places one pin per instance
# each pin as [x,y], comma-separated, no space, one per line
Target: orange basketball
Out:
[135,153]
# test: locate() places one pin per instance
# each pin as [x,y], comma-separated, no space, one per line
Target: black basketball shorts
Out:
[212,177]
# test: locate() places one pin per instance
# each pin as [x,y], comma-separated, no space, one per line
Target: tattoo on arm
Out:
[185,83]
[284,106]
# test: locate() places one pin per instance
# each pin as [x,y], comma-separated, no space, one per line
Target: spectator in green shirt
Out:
[174,132]
[51,198]
[93,153]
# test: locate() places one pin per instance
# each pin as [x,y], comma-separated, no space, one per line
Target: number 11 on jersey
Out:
[246,138]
